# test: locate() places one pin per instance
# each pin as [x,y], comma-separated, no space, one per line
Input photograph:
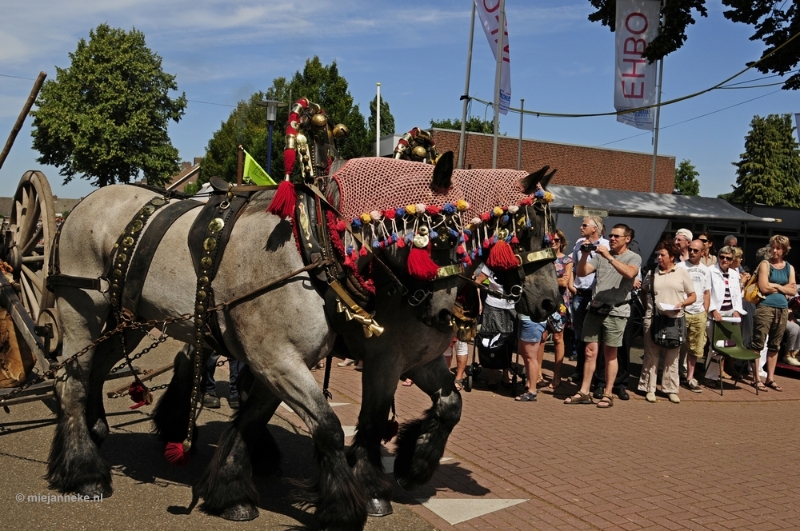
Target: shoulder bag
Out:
[751,293]
[667,332]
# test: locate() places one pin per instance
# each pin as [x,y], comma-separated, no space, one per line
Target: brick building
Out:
[576,165]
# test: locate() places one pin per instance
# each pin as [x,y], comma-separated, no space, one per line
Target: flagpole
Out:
[378,122]
[465,97]
[658,111]
[501,30]
[521,115]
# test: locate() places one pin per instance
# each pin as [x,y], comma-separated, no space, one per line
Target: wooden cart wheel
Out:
[32,227]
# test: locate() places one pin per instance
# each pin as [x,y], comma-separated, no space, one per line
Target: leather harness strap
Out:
[143,256]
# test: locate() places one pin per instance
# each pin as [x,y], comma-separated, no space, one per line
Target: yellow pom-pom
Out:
[497,211]
[548,196]
[462,205]
[411,209]
[366,218]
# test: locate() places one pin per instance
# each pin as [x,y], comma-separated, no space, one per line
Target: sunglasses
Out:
[555,240]
[616,236]
[583,226]
[694,250]
[703,240]
[728,258]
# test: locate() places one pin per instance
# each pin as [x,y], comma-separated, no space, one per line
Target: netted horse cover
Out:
[368,184]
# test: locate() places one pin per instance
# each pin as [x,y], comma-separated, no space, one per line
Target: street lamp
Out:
[272,114]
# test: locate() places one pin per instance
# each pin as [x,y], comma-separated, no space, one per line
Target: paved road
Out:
[710,462]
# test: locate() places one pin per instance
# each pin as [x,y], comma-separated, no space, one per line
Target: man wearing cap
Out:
[591,232]
[682,238]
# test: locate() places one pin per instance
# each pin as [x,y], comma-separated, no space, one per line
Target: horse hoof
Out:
[377,507]
[241,513]
[95,491]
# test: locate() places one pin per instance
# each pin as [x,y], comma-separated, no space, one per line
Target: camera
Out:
[588,247]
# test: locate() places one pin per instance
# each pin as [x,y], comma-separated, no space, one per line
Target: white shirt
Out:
[503,304]
[701,278]
[586,282]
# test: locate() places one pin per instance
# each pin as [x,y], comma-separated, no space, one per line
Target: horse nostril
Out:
[548,306]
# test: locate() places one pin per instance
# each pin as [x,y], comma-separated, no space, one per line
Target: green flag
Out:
[255,173]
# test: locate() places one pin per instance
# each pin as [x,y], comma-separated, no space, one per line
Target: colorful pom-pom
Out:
[504,219]
[366,218]
[363,251]
[401,243]
[390,213]
[467,232]
[376,244]
[394,237]
[549,197]
[356,223]
[462,205]
[434,234]
[432,210]
[497,211]
[453,233]
[375,215]
[526,202]
[420,207]
[449,208]
[539,194]
[486,243]
[513,209]
[486,216]
[411,209]
[514,240]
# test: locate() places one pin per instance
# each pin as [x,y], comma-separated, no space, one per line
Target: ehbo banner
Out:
[635,81]
[489,12]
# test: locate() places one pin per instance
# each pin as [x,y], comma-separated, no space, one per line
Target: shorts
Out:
[530,331]
[460,348]
[696,333]
[606,329]
[768,321]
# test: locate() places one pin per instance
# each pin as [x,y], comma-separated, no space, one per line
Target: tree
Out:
[105,117]
[387,120]
[769,169]
[775,22]
[247,123]
[686,178]
[474,125]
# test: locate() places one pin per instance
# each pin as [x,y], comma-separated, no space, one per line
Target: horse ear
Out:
[443,173]
[547,178]
[529,183]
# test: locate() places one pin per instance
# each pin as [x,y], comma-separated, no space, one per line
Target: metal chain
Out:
[141,353]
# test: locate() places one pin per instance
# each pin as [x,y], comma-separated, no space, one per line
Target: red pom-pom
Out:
[486,243]
[176,454]
[285,199]
[389,213]
[420,265]
[432,210]
[340,226]
[136,392]
[501,257]
[467,260]
[514,240]
[461,249]
[363,251]
[526,202]
[348,261]
[401,242]
[486,216]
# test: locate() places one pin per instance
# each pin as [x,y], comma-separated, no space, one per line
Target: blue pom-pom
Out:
[409,236]
[539,194]
[400,212]
[356,223]
[434,234]
[504,219]
[508,238]
[376,243]
[454,233]
[472,254]
[494,239]
[349,249]
[461,239]
[449,208]
[527,223]
[468,232]
[394,237]
[480,251]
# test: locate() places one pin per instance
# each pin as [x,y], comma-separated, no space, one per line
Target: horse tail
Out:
[171,416]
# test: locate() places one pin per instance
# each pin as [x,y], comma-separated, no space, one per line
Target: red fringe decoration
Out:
[391,430]
[285,199]
[136,391]
[175,454]
[467,260]
[486,243]
[336,241]
[514,240]
[420,265]
[501,257]
[363,251]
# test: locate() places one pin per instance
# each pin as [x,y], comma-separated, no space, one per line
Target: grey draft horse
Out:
[405,348]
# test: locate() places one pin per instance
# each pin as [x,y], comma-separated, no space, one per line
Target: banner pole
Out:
[501,30]
[465,96]
[378,121]
[521,116]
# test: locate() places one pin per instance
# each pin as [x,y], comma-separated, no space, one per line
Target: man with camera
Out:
[615,268]
[591,237]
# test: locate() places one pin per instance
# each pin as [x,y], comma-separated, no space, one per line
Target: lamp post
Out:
[272,114]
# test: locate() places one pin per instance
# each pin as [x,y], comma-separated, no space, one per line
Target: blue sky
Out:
[223,51]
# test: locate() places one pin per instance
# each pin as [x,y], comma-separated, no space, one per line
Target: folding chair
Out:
[730,332]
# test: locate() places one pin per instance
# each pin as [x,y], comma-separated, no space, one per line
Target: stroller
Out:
[493,352]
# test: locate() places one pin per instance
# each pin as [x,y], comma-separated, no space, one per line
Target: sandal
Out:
[580,398]
[606,402]
[773,385]
[526,397]
[459,384]
[760,386]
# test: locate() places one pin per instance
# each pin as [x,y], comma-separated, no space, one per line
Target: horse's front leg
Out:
[227,486]
[379,383]
[421,442]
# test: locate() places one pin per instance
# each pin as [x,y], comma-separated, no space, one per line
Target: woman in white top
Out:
[497,315]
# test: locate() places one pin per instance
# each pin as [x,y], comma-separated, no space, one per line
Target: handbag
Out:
[665,331]
[556,322]
[751,293]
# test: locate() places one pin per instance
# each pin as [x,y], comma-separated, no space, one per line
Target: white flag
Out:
[489,12]
[635,81]
[797,123]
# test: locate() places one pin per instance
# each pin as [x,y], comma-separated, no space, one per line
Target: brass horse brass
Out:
[127,241]
[206,262]
[136,226]
[216,225]
[209,244]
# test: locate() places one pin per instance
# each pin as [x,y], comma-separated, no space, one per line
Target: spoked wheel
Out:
[32,227]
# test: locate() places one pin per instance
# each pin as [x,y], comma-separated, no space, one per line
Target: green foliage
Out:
[105,117]
[775,22]
[769,169]
[191,188]
[686,178]
[474,125]
[387,120]
[247,125]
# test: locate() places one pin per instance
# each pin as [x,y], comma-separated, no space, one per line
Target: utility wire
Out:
[18,77]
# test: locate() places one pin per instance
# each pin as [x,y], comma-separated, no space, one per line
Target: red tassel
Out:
[467,260]
[175,454]
[136,391]
[340,226]
[514,240]
[401,242]
[486,243]
[501,257]
[391,430]
[363,251]
[285,199]
[420,265]
[289,156]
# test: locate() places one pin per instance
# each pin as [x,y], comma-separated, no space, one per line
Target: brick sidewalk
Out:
[710,462]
